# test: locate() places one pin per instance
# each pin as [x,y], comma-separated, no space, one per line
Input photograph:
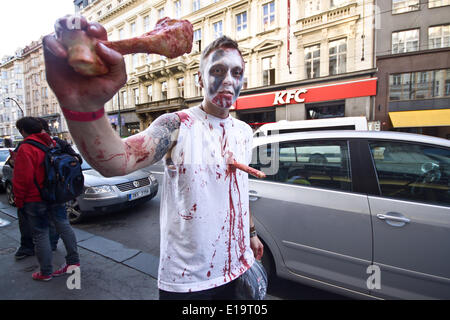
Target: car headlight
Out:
[99,189]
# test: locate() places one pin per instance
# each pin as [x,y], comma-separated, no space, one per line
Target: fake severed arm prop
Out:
[171,38]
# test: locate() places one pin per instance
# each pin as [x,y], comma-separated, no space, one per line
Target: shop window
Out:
[324,111]
[419,85]
[132,128]
[258,118]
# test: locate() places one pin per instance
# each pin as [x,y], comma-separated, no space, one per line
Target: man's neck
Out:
[214,110]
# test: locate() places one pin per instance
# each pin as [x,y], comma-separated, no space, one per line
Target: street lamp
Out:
[17,103]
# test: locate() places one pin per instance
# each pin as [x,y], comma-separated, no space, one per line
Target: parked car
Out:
[102,194]
[376,200]
[4,154]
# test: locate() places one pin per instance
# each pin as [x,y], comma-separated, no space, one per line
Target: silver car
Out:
[102,194]
[365,214]
[4,154]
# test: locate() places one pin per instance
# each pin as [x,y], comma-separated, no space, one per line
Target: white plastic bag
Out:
[252,285]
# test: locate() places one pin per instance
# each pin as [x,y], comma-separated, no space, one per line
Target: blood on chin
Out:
[223,100]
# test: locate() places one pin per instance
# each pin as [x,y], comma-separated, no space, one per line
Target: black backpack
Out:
[64,180]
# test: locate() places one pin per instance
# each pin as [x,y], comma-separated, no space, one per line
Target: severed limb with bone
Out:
[171,38]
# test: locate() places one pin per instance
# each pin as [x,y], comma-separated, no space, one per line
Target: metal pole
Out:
[18,105]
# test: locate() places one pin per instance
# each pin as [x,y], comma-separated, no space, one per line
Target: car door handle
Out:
[393,218]
[253,195]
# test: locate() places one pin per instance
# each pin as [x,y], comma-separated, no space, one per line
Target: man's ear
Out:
[200,79]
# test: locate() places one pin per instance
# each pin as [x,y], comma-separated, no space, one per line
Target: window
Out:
[312,61]
[149,93]
[419,85]
[439,37]
[197,88]
[198,40]
[195,5]
[401,6]
[268,71]
[217,29]
[121,34]
[438,3]
[124,99]
[405,41]
[164,90]
[412,172]
[133,29]
[241,24]
[245,80]
[161,13]
[268,15]
[338,57]
[322,164]
[325,110]
[135,59]
[338,3]
[136,95]
[180,82]
[146,24]
[177,5]
[312,7]
[44,92]
[19,84]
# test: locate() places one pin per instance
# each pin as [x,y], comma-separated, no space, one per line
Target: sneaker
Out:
[19,255]
[40,277]
[63,270]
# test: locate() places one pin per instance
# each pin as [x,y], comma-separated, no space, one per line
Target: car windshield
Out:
[4,155]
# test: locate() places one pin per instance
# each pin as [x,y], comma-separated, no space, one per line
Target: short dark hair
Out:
[221,42]
[29,125]
[44,124]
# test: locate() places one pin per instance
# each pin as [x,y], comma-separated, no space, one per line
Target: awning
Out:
[421,118]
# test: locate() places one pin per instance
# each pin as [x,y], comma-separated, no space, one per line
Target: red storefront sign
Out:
[325,92]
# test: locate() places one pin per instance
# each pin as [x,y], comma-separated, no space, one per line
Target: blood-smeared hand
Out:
[73,90]
[257,247]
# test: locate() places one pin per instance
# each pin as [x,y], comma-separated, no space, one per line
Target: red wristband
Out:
[83,116]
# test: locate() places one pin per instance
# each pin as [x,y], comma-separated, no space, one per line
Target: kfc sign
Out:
[285,97]
[364,87]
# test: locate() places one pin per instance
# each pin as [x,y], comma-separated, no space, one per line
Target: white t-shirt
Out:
[205,240]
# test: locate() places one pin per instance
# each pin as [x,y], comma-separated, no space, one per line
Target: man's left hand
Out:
[257,247]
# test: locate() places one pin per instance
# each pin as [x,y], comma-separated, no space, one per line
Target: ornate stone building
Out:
[322,47]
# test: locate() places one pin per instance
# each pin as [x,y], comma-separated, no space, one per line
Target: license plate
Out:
[139,194]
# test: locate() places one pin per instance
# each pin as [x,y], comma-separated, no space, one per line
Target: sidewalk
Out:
[108,269]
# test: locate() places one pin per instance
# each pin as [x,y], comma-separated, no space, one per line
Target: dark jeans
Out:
[40,214]
[224,292]
[26,235]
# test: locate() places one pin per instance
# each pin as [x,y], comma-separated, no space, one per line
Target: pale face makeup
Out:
[223,77]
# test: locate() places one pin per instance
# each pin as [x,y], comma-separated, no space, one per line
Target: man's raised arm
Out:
[82,101]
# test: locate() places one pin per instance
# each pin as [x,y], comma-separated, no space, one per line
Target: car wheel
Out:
[10,194]
[74,214]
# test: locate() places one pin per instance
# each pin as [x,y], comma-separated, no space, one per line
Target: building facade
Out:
[318,47]
[39,98]
[12,95]
[413,60]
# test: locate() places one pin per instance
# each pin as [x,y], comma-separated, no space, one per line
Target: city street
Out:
[138,228]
